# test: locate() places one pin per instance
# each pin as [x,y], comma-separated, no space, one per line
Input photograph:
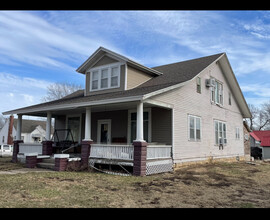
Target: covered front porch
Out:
[135,136]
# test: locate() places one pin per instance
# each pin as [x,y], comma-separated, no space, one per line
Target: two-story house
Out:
[150,118]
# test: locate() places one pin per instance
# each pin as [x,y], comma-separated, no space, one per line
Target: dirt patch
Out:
[218,185]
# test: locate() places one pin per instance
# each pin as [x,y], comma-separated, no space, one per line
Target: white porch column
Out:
[19,128]
[48,126]
[140,122]
[87,134]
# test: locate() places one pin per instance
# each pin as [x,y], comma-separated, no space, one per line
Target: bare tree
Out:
[254,113]
[59,90]
[260,116]
[2,121]
[264,116]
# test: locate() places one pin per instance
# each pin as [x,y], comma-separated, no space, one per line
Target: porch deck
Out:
[159,157]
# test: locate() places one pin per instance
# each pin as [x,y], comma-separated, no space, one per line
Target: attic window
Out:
[105,77]
[198,83]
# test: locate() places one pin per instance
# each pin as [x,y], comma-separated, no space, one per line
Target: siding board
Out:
[187,101]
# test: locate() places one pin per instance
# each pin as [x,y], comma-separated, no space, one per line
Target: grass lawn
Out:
[219,184]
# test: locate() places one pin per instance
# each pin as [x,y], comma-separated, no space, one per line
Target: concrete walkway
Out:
[25,170]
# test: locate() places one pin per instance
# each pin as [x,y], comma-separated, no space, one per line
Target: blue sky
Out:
[38,48]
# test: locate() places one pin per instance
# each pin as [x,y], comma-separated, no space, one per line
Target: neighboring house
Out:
[246,138]
[33,131]
[260,140]
[181,112]
[8,131]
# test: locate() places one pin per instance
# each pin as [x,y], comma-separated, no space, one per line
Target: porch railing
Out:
[30,148]
[125,152]
[117,152]
[159,151]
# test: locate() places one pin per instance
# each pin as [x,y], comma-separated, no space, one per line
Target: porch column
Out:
[139,135]
[19,127]
[47,144]
[87,134]
[48,126]
[140,145]
[87,141]
[18,139]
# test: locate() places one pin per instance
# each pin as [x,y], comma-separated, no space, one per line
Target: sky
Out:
[38,48]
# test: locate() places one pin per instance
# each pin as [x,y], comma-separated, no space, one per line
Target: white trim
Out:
[104,121]
[75,105]
[158,103]
[114,55]
[61,155]
[125,87]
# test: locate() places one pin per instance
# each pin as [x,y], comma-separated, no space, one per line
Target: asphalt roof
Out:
[173,74]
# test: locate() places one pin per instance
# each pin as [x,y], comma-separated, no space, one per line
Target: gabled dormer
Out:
[106,71]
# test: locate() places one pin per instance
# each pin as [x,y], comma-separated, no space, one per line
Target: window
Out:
[94,79]
[114,76]
[237,133]
[194,124]
[220,133]
[105,78]
[198,83]
[217,93]
[230,98]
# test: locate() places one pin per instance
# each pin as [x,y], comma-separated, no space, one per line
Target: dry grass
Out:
[209,185]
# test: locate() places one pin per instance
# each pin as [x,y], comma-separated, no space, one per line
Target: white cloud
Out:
[17,92]
[260,90]
[30,39]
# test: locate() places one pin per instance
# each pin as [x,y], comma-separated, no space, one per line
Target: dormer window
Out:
[105,77]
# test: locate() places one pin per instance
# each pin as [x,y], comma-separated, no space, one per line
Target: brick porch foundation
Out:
[16,150]
[139,163]
[47,148]
[85,152]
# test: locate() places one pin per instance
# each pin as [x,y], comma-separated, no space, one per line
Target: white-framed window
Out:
[105,77]
[220,132]
[237,133]
[194,128]
[217,93]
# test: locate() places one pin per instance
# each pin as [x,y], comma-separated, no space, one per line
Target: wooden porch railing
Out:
[159,151]
[30,148]
[117,152]
[125,152]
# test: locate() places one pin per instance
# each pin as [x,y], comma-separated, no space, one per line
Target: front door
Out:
[104,131]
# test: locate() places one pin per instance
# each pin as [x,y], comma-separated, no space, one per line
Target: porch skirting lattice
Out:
[159,166]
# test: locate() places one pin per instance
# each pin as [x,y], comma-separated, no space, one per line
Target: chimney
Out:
[10,128]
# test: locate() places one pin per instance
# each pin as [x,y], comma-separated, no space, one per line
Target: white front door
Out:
[104,131]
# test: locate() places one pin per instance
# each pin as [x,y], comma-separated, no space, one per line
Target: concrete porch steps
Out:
[47,164]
